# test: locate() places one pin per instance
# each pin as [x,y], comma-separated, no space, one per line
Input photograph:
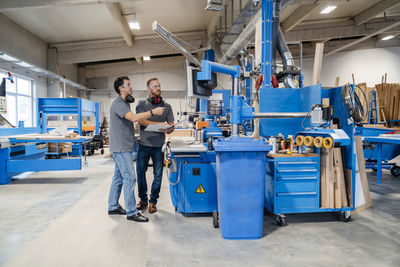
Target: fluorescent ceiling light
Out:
[134,25]
[24,64]
[328,9]
[147,58]
[8,58]
[387,37]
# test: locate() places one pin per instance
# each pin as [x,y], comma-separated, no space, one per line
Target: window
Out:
[20,100]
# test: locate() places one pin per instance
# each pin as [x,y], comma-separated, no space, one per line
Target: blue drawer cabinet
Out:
[292,183]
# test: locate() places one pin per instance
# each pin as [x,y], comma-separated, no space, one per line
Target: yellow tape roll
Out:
[309,141]
[300,140]
[328,142]
[318,141]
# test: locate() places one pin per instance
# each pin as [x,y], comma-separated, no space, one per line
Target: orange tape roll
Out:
[309,141]
[328,142]
[318,141]
[300,140]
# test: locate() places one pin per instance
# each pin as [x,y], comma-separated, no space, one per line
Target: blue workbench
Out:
[379,141]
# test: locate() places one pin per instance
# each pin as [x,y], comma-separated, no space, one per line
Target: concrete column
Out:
[82,80]
[53,87]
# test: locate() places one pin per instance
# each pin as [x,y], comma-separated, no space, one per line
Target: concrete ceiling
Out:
[96,30]
[55,24]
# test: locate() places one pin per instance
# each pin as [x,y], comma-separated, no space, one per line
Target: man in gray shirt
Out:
[150,144]
[122,137]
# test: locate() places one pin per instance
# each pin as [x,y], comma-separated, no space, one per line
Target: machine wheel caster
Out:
[345,216]
[102,151]
[395,171]
[176,209]
[280,220]
[215,219]
[92,151]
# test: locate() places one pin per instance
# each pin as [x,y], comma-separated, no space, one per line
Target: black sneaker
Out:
[119,211]
[137,218]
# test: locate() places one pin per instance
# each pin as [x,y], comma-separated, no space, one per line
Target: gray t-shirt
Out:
[122,132]
[154,139]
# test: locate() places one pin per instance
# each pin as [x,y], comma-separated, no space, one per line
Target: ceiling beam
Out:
[93,52]
[391,26]
[308,49]
[374,10]
[129,67]
[297,16]
[123,26]
[345,29]
[17,4]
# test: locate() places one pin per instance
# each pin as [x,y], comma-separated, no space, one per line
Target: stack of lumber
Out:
[389,100]
[62,147]
[336,182]
[367,91]
[333,192]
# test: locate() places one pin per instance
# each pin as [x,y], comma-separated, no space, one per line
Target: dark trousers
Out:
[142,163]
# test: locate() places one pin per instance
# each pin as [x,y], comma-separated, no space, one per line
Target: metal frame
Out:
[66,106]
[379,141]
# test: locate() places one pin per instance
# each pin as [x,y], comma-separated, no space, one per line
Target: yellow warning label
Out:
[200,189]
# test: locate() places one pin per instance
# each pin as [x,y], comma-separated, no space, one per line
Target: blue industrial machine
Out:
[292,184]
[381,146]
[77,108]
[192,178]
[23,149]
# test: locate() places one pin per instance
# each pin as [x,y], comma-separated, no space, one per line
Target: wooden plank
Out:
[319,54]
[304,155]
[337,81]
[338,175]
[383,118]
[331,179]
[325,101]
[46,137]
[363,174]
[349,186]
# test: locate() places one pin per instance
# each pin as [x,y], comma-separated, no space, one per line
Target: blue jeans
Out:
[124,176]
[142,163]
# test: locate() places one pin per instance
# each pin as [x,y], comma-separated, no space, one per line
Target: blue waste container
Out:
[241,186]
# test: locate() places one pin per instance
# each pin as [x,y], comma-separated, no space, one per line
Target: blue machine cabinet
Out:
[193,183]
[292,183]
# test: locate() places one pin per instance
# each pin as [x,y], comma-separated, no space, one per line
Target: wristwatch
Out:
[151,112]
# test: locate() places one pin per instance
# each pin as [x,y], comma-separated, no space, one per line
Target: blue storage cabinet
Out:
[292,183]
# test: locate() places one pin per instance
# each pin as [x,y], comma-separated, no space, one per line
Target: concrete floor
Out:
[60,219]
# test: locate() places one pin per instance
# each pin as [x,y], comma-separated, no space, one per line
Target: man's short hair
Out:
[119,82]
[149,81]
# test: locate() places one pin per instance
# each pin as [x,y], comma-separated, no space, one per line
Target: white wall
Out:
[170,72]
[19,42]
[368,65]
